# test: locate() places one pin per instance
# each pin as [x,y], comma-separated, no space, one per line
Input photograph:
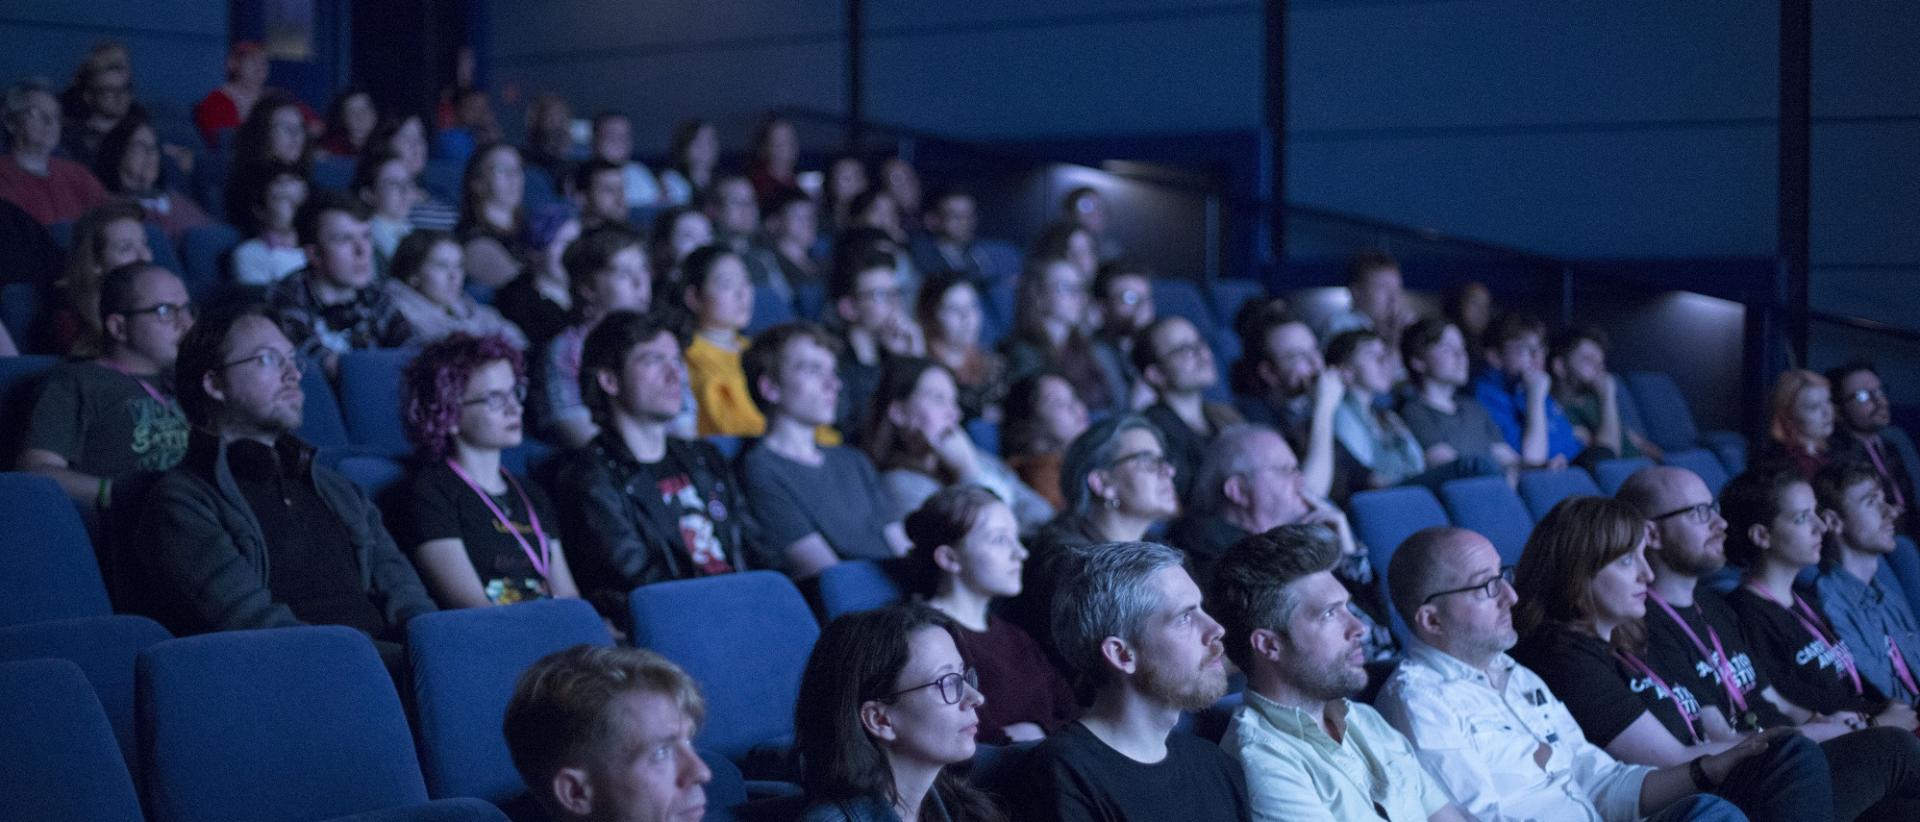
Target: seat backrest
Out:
[51,569]
[1486,505]
[441,178]
[332,173]
[1700,461]
[321,424]
[1384,518]
[61,762]
[205,251]
[1611,474]
[1229,295]
[1543,489]
[377,475]
[19,309]
[744,637]
[1905,564]
[1182,298]
[370,400]
[276,725]
[769,309]
[859,585]
[465,664]
[20,379]
[1664,409]
[105,648]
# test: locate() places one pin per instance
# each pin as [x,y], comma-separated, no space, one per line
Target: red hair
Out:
[435,381]
[1786,394]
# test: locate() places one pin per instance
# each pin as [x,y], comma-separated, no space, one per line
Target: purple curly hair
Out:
[435,380]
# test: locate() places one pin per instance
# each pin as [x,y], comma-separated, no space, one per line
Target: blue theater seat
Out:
[1182,298]
[1543,489]
[51,569]
[858,585]
[1384,518]
[370,400]
[105,648]
[321,425]
[769,310]
[61,761]
[1487,506]
[1229,295]
[1611,474]
[19,386]
[1702,462]
[1670,422]
[206,251]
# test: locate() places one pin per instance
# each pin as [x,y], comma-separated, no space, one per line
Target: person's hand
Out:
[954,450]
[1606,386]
[1719,765]
[901,337]
[1537,383]
[1322,512]
[1441,454]
[181,155]
[1897,714]
[1328,388]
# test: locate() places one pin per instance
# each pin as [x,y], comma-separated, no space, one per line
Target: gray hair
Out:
[1226,456]
[23,90]
[1104,591]
[1095,450]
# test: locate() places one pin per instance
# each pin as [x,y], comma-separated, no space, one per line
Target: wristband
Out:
[104,497]
[1698,772]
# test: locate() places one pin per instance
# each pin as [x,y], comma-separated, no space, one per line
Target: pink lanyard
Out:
[1900,668]
[540,560]
[1873,453]
[151,391]
[1717,653]
[1635,663]
[1811,621]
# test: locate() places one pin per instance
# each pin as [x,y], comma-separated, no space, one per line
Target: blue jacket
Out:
[1506,401]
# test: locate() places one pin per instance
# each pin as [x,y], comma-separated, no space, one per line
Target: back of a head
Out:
[1750,499]
[1342,348]
[1568,547]
[1104,590]
[1229,454]
[1250,582]
[1420,338]
[945,519]
[1417,566]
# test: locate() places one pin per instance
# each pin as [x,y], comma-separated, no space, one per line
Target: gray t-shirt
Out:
[1468,429]
[840,499]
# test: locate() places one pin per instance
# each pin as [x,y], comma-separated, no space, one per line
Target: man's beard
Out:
[1325,682]
[1185,690]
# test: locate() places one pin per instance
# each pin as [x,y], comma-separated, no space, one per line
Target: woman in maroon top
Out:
[1800,423]
[967,552]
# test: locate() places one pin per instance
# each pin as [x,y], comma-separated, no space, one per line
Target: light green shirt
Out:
[1296,772]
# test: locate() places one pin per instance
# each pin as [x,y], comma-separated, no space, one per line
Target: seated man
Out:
[1308,750]
[1590,395]
[612,141]
[599,191]
[637,505]
[1284,383]
[1497,738]
[864,292]
[1377,298]
[735,212]
[1448,424]
[1367,428]
[1866,433]
[817,504]
[607,733]
[1123,303]
[334,306]
[98,419]
[606,272]
[1174,360]
[249,531]
[52,189]
[951,244]
[1128,622]
[1855,587]
[1516,393]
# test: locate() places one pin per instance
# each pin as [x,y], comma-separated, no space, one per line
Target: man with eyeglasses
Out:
[639,506]
[1866,434]
[1282,381]
[1176,362]
[1123,302]
[1309,749]
[866,295]
[1491,731]
[115,415]
[249,530]
[1695,640]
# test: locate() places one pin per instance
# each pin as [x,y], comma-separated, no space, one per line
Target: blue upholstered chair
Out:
[61,761]
[51,569]
[1486,505]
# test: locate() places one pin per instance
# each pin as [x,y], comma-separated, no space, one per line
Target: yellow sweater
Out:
[720,388]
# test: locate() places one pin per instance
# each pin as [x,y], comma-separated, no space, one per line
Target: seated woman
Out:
[1800,423]
[428,286]
[718,299]
[274,134]
[919,445]
[1049,334]
[381,181]
[886,703]
[128,162]
[1042,415]
[967,553]
[492,223]
[1368,428]
[407,137]
[948,309]
[675,234]
[694,154]
[105,238]
[271,194]
[479,535]
[539,301]
[350,122]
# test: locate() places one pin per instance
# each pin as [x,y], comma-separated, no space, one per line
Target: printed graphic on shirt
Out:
[159,434]
[696,527]
[1742,671]
[1826,657]
[1688,703]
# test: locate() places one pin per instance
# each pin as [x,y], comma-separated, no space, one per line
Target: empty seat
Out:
[105,648]
[1670,424]
[51,569]
[1543,489]
[278,725]
[465,664]
[1702,462]
[1610,474]
[206,251]
[1229,295]
[1182,298]
[1487,506]
[370,400]
[859,585]
[745,638]
[1384,518]
[61,761]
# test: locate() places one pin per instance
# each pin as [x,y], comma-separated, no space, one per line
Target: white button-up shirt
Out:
[1295,771]
[1480,743]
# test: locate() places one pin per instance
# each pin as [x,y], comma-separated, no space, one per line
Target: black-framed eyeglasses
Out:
[1703,512]
[164,312]
[1487,590]
[497,400]
[268,358]
[949,686]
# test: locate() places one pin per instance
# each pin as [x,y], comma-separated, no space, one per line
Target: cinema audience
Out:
[406,136]
[1867,434]
[1855,587]
[106,238]
[335,306]
[428,286]
[606,272]
[1284,382]
[611,140]
[691,160]
[492,223]
[1800,423]
[1591,396]
[1517,393]
[381,181]
[127,161]
[1177,364]
[1049,335]
[539,301]
[351,118]
[270,195]
[717,301]
[1449,424]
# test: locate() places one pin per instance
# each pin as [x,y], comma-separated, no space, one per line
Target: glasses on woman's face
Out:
[1153,460]
[949,685]
[497,401]
[1485,590]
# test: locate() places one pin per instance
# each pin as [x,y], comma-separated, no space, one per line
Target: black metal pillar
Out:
[1274,145]
[1796,167]
[856,54]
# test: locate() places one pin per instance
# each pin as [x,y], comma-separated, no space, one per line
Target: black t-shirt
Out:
[314,569]
[1603,692]
[1804,668]
[523,305]
[689,514]
[441,506]
[1074,777]
[840,499]
[104,423]
[1674,657]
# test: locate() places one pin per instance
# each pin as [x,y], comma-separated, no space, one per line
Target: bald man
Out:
[1496,737]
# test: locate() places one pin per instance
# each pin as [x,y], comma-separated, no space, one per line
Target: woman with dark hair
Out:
[1799,423]
[128,162]
[492,221]
[269,195]
[275,134]
[428,286]
[540,301]
[350,121]
[1050,334]
[886,703]
[691,159]
[776,157]
[717,299]
[105,238]
[675,234]
[1042,415]
[919,445]
[479,535]
[846,179]
[1071,242]
[406,136]
[948,309]
[966,554]
[380,180]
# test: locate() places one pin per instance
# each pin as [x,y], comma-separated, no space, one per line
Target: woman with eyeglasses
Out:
[886,703]
[966,554]
[428,286]
[920,447]
[479,535]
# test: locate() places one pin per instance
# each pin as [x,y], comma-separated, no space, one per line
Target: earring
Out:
[1113,503]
